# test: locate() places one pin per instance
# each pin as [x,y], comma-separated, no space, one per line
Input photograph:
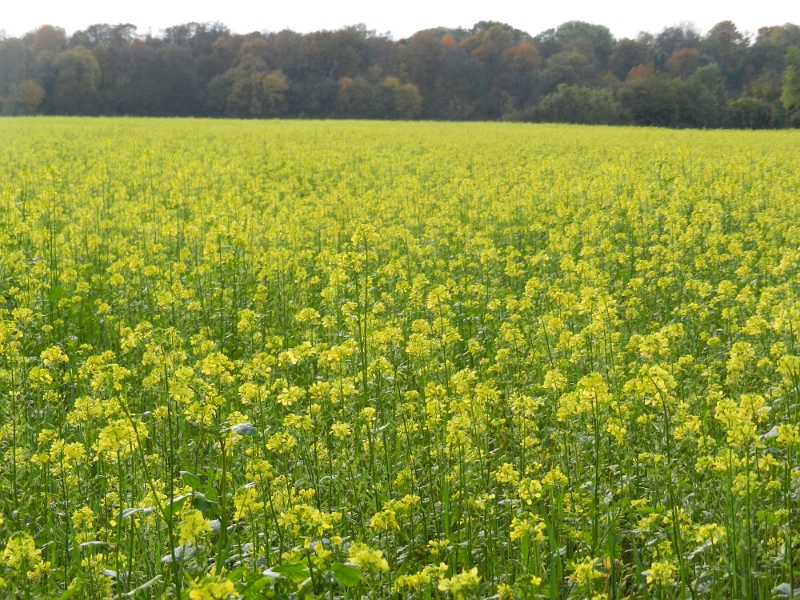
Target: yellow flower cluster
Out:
[282,354]
[212,588]
[22,555]
[194,525]
[461,584]
[306,521]
[368,559]
[117,439]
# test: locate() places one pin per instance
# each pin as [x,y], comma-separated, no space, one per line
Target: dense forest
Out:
[576,73]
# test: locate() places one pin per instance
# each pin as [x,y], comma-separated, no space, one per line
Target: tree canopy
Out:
[577,72]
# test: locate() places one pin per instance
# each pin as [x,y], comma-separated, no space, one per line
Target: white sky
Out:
[625,18]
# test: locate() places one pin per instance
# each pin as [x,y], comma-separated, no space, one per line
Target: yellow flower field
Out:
[397,360]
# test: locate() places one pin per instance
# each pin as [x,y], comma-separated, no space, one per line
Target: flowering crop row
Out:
[318,360]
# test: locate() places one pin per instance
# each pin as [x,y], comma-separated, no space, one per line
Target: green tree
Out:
[393,100]
[460,85]
[580,36]
[570,67]
[702,98]
[573,104]
[354,98]
[335,54]
[490,47]
[250,90]
[77,76]
[672,40]
[407,102]
[220,87]
[626,55]
[749,113]
[48,39]
[651,100]
[790,96]
[683,62]
[727,46]
[13,64]
[508,67]
[24,98]
[786,35]
[259,95]
[523,61]
[421,60]
[489,71]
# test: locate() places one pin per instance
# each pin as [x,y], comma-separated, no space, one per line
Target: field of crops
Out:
[387,360]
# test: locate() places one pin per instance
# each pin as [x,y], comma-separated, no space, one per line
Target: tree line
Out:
[575,73]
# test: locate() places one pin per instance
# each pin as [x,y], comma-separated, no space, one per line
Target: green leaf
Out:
[142,587]
[243,429]
[68,593]
[127,512]
[256,586]
[181,553]
[236,573]
[347,575]
[202,504]
[192,480]
[175,506]
[295,571]
[784,590]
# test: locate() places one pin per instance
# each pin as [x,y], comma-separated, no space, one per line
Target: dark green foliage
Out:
[628,54]
[576,73]
[749,113]
[652,100]
[574,104]
[791,87]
